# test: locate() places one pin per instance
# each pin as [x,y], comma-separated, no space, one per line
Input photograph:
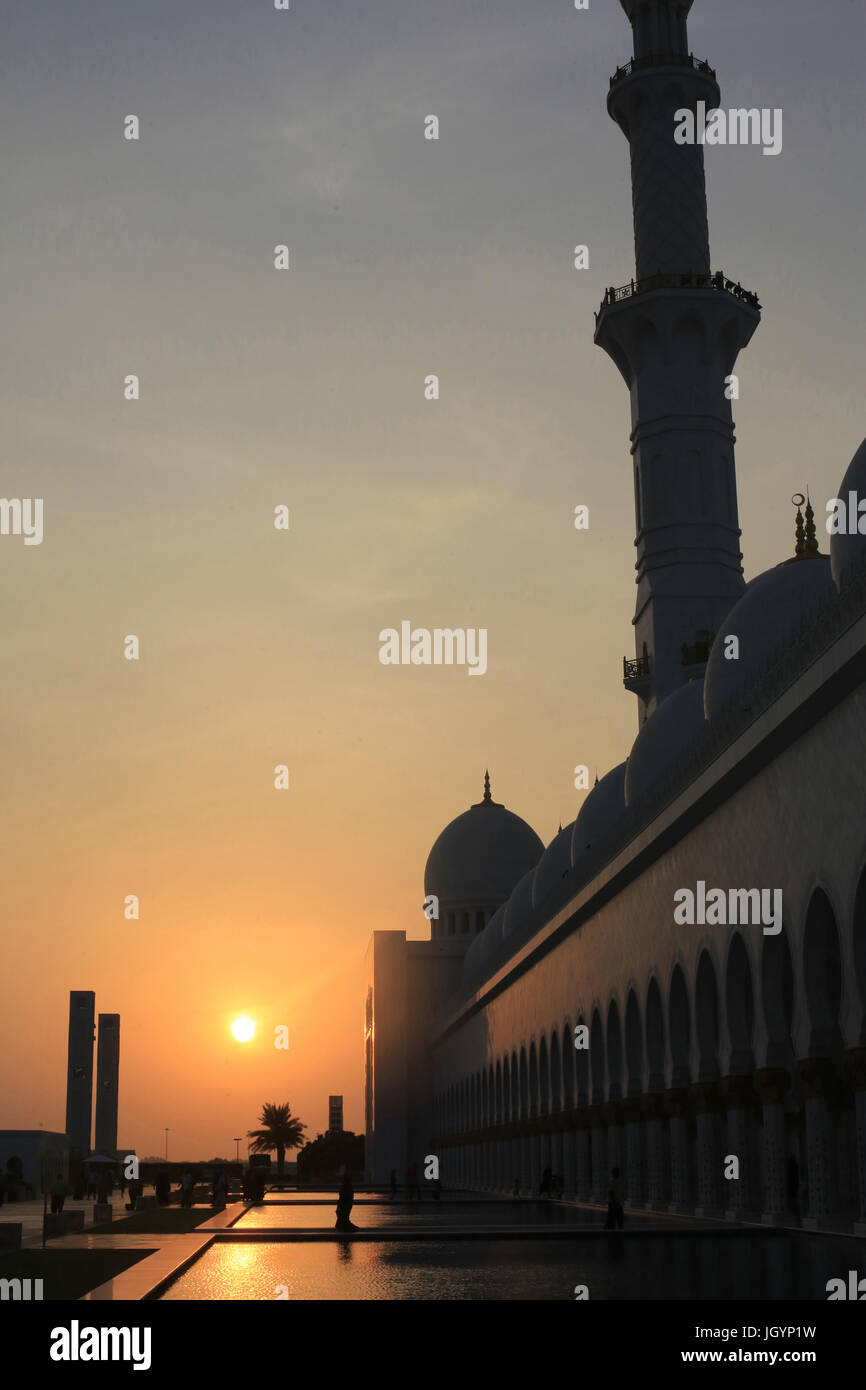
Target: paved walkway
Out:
[30,1215]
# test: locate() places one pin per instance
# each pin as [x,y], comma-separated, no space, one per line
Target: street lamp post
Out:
[166,1141]
[238,1138]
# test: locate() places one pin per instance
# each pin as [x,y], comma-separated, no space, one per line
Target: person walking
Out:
[614,1204]
[345,1202]
[59,1189]
[412,1181]
[186,1188]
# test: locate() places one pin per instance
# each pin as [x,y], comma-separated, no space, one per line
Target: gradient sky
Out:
[408,257]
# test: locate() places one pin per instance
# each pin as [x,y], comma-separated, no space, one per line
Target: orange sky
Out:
[261,647]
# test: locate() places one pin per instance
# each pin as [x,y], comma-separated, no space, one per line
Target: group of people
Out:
[552,1185]
[253,1186]
[413,1187]
[87,1185]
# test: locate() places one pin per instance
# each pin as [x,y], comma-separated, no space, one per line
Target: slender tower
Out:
[674,333]
[107,1073]
[79,1075]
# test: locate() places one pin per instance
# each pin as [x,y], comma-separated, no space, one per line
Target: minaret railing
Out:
[685,281]
[662,60]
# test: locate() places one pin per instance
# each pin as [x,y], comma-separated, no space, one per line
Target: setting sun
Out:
[243,1028]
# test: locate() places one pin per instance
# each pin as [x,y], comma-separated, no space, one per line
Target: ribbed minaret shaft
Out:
[674,333]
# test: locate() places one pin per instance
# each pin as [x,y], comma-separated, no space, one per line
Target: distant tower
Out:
[79,1076]
[674,333]
[107,1075]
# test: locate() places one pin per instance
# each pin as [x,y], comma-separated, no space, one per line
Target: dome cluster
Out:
[490,868]
[476,862]
[545,883]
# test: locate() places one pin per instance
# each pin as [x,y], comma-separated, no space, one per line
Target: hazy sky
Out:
[306,388]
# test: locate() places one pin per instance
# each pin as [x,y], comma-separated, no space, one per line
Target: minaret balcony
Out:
[663,60]
[685,281]
[636,674]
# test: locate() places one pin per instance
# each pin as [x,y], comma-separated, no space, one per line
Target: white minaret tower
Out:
[674,333]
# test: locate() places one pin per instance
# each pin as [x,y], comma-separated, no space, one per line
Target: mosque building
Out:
[565,1014]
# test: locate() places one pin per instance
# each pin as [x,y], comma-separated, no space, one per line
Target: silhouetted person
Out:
[546,1179]
[412,1181]
[79,1189]
[162,1188]
[614,1204]
[793,1183]
[186,1188]
[59,1190]
[91,1184]
[393,1184]
[345,1202]
[220,1190]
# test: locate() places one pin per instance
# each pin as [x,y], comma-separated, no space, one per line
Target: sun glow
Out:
[243,1028]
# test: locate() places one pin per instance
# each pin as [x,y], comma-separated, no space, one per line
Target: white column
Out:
[569,1164]
[816,1077]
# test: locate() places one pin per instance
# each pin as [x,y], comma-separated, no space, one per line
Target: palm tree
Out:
[280,1130]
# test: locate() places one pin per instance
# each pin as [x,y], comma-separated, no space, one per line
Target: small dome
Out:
[518,909]
[601,810]
[472,961]
[480,856]
[663,737]
[491,937]
[770,609]
[846,549]
[553,866]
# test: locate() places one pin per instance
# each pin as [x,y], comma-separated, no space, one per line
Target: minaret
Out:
[674,333]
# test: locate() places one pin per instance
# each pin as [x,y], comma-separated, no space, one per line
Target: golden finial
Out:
[811,536]
[800,547]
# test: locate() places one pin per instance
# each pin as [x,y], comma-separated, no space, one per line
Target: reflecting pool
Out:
[685,1265]
[429,1215]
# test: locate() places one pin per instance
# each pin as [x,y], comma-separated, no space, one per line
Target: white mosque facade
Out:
[565,1013]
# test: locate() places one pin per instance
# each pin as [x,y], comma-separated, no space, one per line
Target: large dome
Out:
[481,856]
[663,737]
[769,611]
[846,549]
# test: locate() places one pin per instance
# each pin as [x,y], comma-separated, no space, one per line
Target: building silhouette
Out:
[79,1075]
[560,1015]
[107,1078]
